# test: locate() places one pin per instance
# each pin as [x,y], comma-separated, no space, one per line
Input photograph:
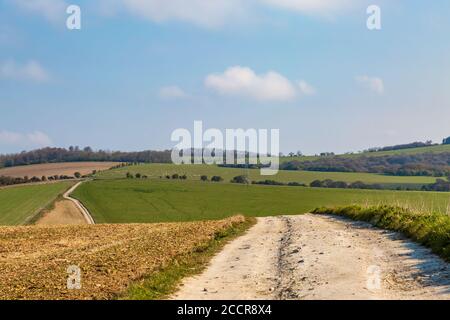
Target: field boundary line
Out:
[87,216]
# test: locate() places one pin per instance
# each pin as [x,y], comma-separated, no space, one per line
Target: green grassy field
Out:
[431,149]
[122,201]
[195,171]
[19,203]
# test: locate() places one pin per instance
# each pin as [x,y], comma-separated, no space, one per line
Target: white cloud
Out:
[206,13]
[374,84]
[242,81]
[26,140]
[313,7]
[52,10]
[172,92]
[30,71]
[306,89]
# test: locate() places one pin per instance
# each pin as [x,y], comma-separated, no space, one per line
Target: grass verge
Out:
[160,285]
[429,229]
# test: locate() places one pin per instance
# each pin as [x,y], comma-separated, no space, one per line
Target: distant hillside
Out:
[432,160]
[409,151]
[400,160]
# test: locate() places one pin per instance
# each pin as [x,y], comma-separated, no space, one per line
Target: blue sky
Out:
[137,70]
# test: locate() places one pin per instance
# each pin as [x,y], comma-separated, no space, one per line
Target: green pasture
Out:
[194,172]
[20,203]
[124,201]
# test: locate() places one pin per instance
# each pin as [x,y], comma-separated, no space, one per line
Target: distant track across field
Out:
[78,204]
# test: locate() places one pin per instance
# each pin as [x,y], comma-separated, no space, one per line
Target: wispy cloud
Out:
[243,81]
[306,89]
[204,13]
[29,71]
[374,84]
[172,92]
[52,10]
[25,140]
[216,13]
[312,7]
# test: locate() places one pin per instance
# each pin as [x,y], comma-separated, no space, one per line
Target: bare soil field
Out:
[110,256]
[315,257]
[51,169]
[65,212]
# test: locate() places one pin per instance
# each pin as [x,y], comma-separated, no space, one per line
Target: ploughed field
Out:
[51,169]
[150,200]
[110,257]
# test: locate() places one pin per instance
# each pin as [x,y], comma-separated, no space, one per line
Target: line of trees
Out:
[441,185]
[328,183]
[9,181]
[278,183]
[404,146]
[75,154]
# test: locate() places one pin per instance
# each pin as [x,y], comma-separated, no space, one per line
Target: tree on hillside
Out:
[77,175]
[216,179]
[446,141]
[240,179]
[316,184]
